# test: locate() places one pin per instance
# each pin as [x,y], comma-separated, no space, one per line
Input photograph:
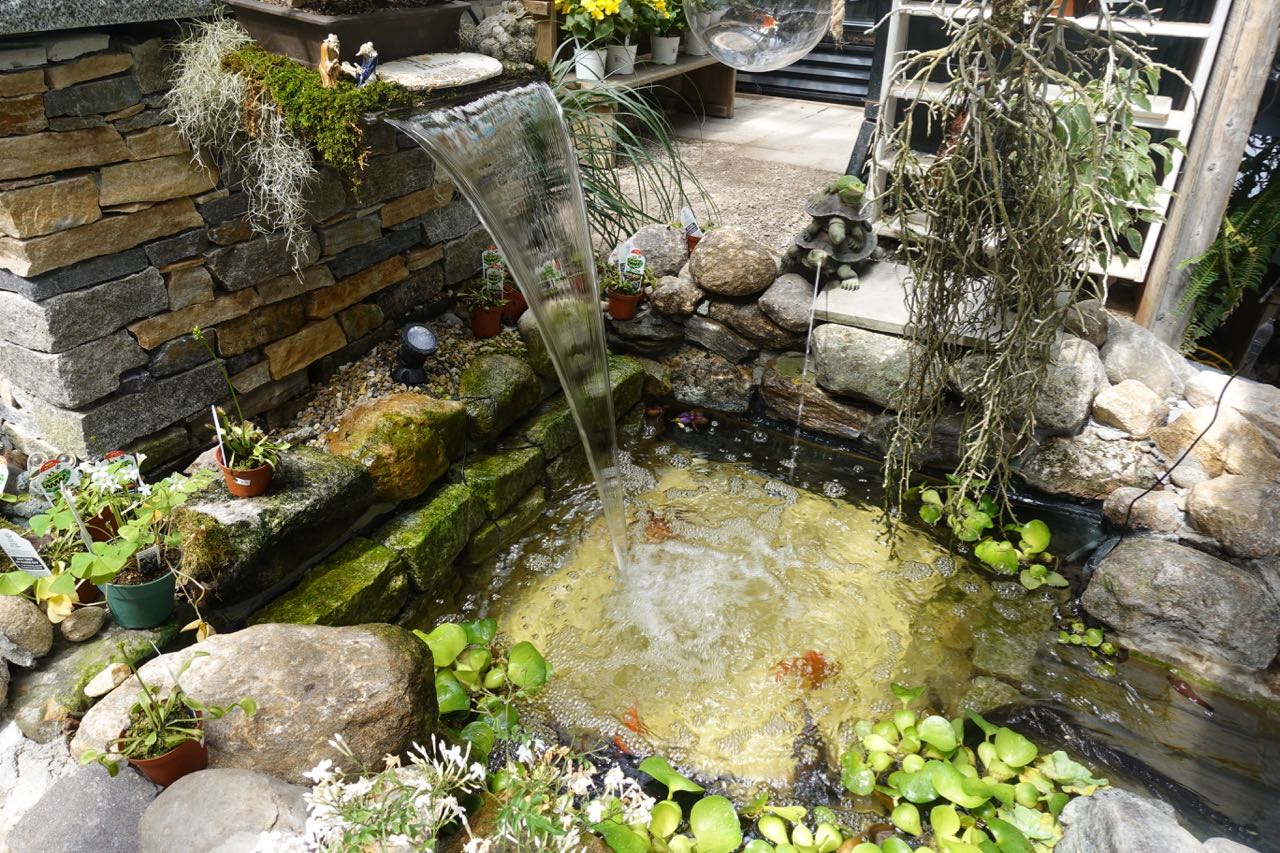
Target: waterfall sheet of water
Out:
[511,155]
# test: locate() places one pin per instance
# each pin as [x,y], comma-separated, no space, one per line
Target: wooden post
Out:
[1223,123]
[544,33]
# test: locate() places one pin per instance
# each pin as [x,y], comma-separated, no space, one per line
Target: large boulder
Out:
[676,297]
[27,771]
[1257,401]
[223,810]
[1073,379]
[730,262]
[498,389]
[1088,319]
[1242,513]
[404,440]
[783,387]
[240,547]
[1133,352]
[789,302]
[370,683]
[1171,601]
[1115,821]
[665,248]
[719,339]
[748,320]
[700,378]
[87,810]
[857,363]
[1130,406]
[26,634]
[1088,465]
[1232,445]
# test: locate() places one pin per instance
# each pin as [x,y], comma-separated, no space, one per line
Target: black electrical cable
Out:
[1163,478]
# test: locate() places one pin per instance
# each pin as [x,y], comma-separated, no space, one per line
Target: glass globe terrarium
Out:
[758,35]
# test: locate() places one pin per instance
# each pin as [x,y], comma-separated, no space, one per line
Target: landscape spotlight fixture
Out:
[416,343]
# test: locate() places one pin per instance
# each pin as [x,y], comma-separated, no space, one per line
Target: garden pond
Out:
[763,614]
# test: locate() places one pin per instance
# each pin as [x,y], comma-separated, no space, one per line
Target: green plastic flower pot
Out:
[143,605]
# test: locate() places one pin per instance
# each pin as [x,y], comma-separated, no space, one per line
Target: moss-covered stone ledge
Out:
[361,582]
[430,536]
[241,547]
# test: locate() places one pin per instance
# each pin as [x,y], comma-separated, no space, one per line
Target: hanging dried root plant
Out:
[1000,229]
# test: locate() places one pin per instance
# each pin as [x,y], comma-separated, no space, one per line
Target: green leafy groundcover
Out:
[328,119]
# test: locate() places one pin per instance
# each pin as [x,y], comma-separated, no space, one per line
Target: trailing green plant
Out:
[478,681]
[621,136]
[1237,260]
[160,723]
[1002,795]
[244,444]
[1001,229]
[1022,550]
[261,115]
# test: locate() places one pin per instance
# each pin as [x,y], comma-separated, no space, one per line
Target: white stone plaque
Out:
[439,70]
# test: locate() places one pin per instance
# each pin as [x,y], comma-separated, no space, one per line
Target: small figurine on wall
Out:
[330,65]
[368,67]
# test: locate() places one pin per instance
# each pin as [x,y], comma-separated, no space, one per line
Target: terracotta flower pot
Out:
[245,483]
[190,756]
[692,242]
[486,322]
[516,304]
[104,526]
[622,306]
[87,593]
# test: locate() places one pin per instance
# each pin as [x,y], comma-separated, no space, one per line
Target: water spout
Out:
[511,155]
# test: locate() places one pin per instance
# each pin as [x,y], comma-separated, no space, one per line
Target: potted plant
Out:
[164,739]
[620,55]
[624,294]
[246,455]
[484,299]
[589,28]
[138,569]
[666,21]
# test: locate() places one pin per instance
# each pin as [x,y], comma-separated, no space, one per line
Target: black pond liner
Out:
[1231,753]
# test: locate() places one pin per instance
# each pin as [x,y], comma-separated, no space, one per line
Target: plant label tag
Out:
[23,554]
[52,476]
[131,469]
[690,223]
[149,560]
[4,473]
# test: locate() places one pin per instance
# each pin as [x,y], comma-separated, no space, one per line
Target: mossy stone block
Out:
[494,534]
[404,440]
[626,375]
[362,582]
[498,390]
[500,479]
[42,700]
[241,547]
[432,536]
[567,471]
[552,428]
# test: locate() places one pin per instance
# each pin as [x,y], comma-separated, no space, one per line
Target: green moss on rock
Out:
[241,547]
[403,440]
[551,427]
[500,479]
[626,374]
[567,471]
[498,390]
[362,582]
[494,534]
[432,536]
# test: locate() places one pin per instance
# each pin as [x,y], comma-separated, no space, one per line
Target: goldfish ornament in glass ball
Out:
[759,35]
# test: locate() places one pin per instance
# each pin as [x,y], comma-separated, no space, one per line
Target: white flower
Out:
[524,755]
[321,772]
[595,811]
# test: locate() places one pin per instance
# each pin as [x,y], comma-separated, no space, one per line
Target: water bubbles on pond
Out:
[759,36]
[759,437]
[914,570]
[971,587]
[945,566]
[833,490]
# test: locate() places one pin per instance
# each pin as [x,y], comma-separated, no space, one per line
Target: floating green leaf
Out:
[665,818]
[451,696]
[714,824]
[1074,778]
[1014,749]
[916,787]
[945,820]
[906,817]
[1035,537]
[1032,823]
[622,839]
[855,775]
[937,732]
[661,770]
[949,782]
[894,844]
[1000,556]
[526,667]
[906,695]
[481,737]
[481,631]
[759,845]
[1007,836]
[988,729]
[446,641]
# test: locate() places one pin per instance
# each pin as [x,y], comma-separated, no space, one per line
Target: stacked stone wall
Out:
[115,241]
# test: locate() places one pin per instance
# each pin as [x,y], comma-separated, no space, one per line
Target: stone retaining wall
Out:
[114,243]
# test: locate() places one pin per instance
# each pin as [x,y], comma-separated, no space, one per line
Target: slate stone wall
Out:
[114,244]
